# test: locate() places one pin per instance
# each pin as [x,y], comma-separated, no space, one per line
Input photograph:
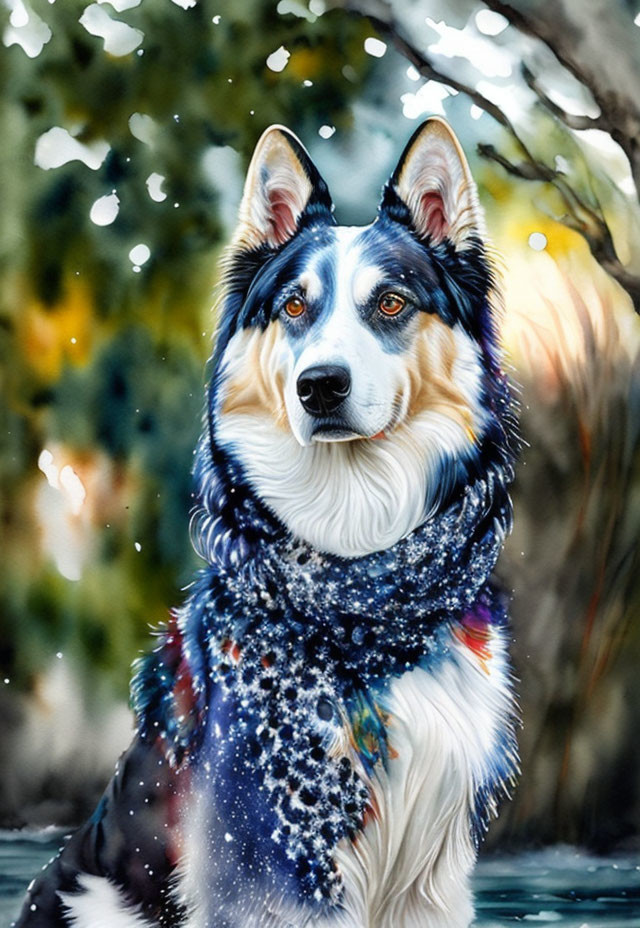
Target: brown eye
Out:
[390,304]
[295,306]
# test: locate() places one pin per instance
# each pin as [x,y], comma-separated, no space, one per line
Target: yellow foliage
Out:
[551,294]
[306,63]
[50,335]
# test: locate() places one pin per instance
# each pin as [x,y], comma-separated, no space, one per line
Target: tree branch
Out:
[580,216]
[604,60]
[571,120]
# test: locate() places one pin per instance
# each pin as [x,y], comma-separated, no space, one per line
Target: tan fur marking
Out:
[259,389]
[431,375]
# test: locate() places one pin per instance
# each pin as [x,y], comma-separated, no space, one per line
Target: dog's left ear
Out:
[282,186]
[433,188]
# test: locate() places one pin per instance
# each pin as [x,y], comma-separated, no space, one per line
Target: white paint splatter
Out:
[73,486]
[296,9]
[508,97]
[537,241]
[57,147]
[490,23]
[120,5]
[105,209]
[138,548]
[375,47]
[143,128]
[119,38]
[140,254]
[428,99]
[19,16]
[58,509]
[185,4]
[48,468]
[600,140]
[475,111]
[412,73]
[578,105]
[278,60]
[325,132]
[25,29]
[490,59]
[154,185]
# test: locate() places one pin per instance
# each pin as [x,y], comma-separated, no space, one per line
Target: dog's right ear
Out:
[432,188]
[282,186]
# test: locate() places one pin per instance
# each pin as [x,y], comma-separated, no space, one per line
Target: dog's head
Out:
[353,368]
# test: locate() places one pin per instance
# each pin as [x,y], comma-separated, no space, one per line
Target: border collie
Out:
[327,723]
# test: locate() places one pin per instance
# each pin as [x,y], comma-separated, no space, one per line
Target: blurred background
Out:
[126,128]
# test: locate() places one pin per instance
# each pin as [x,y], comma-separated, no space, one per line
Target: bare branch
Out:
[571,120]
[579,216]
[612,79]
[582,217]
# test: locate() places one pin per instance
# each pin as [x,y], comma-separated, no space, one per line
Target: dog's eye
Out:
[295,306]
[391,304]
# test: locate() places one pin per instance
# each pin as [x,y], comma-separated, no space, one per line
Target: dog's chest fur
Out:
[416,851]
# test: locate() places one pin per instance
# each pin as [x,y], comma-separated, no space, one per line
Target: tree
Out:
[576,35]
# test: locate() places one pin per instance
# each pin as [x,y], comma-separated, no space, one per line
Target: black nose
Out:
[322,388]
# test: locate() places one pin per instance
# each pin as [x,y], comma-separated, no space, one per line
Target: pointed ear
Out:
[434,183]
[282,185]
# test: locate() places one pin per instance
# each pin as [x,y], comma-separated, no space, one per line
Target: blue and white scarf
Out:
[280,647]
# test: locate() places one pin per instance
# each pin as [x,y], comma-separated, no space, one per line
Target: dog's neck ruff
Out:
[436,570]
[384,606]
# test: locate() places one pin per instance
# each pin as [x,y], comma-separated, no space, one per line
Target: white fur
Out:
[351,498]
[341,337]
[100,904]
[410,866]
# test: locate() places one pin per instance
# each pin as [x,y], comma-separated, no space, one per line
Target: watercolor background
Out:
[126,127]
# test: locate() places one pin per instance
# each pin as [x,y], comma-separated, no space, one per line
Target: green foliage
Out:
[103,361]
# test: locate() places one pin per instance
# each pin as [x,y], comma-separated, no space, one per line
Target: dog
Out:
[327,724]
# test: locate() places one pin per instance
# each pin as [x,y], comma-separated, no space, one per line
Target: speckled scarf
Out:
[279,647]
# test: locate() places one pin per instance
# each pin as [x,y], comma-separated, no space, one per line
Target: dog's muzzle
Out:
[323,388]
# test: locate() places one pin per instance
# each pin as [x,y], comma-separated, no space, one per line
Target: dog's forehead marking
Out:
[356,275]
[311,283]
[365,281]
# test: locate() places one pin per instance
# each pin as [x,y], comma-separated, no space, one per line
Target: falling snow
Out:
[537,241]
[375,47]
[105,210]
[119,38]
[57,147]
[139,254]
[26,29]
[154,186]
[278,60]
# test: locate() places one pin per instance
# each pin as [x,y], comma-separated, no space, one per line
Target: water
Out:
[557,887]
